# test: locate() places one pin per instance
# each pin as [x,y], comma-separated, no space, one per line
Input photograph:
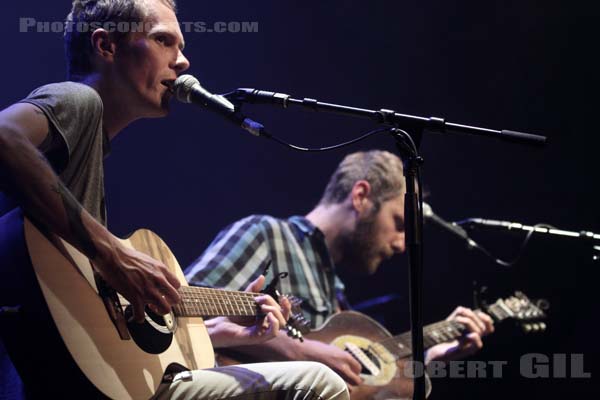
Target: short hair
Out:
[78,42]
[382,169]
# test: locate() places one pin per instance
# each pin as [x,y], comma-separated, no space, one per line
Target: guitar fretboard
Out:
[209,302]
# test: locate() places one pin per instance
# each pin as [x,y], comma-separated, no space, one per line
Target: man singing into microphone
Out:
[52,146]
[358,223]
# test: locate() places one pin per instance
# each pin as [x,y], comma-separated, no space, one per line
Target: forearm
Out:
[226,334]
[27,176]
[284,348]
[279,348]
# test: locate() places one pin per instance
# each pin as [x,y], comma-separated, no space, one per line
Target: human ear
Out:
[360,196]
[102,44]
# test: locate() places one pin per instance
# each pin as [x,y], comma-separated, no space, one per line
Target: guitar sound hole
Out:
[153,335]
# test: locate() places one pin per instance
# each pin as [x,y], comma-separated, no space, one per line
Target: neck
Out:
[333,220]
[433,334]
[115,116]
[440,332]
[210,302]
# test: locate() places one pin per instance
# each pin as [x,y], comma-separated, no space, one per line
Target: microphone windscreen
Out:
[183,87]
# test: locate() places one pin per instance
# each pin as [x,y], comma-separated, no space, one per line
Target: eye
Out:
[399,223]
[162,39]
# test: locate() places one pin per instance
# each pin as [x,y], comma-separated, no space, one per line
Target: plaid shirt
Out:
[242,251]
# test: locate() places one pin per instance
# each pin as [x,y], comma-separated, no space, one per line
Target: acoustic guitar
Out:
[384,357]
[120,359]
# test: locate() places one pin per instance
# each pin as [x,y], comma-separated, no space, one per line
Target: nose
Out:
[182,63]
[399,244]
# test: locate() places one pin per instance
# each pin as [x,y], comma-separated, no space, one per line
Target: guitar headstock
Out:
[297,319]
[529,314]
[296,324]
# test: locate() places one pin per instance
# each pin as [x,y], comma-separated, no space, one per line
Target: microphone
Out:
[187,89]
[449,226]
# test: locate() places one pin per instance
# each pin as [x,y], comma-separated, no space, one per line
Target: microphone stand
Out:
[413,217]
[412,205]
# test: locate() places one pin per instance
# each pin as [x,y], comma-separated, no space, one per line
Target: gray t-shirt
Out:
[76,145]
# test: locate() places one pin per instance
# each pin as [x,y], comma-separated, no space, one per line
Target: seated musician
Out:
[358,223]
[52,147]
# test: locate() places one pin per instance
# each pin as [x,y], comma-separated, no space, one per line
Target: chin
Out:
[163,112]
[371,269]
[157,114]
[373,265]
[158,111]
[367,268]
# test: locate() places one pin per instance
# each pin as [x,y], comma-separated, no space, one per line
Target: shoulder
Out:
[256,222]
[73,96]
[253,231]
[66,89]
[269,226]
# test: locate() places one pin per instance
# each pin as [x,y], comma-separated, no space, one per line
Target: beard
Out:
[359,251]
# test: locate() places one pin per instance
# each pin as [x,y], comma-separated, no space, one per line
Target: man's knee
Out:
[329,384]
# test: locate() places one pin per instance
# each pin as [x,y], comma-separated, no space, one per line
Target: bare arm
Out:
[284,348]
[26,175]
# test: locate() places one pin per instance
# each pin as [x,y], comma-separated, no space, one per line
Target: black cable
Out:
[520,252]
[328,148]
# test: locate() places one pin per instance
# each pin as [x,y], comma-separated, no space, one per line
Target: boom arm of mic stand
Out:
[383,116]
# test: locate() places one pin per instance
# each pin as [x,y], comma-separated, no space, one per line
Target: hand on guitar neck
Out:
[477,324]
[239,331]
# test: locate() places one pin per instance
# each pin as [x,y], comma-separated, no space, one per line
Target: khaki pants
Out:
[292,380]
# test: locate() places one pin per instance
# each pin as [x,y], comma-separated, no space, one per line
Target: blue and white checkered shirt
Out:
[242,251]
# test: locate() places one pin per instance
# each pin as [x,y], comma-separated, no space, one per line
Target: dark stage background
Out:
[524,65]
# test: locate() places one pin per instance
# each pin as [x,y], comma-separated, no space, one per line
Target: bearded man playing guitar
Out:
[358,223]
[52,145]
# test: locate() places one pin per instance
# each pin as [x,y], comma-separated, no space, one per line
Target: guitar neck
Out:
[438,332]
[209,302]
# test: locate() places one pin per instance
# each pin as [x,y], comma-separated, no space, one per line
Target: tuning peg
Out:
[543,304]
[527,328]
[294,333]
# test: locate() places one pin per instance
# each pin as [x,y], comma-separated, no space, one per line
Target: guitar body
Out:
[387,380]
[116,368]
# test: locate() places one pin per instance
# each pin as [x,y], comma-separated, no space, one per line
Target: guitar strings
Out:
[205,300]
[426,330]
